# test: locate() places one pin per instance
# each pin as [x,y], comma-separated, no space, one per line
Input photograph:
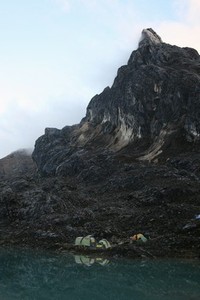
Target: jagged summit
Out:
[131,165]
[149,37]
[154,98]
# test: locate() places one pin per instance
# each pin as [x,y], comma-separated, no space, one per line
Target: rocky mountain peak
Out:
[131,165]
[149,37]
[154,98]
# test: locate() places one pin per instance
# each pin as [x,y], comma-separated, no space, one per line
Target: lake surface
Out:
[35,275]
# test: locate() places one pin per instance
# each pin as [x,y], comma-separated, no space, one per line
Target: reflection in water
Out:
[89,261]
[39,276]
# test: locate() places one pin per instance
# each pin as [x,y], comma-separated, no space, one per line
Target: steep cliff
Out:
[154,98]
[131,165]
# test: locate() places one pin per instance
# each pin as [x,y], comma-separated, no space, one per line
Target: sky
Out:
[55,55]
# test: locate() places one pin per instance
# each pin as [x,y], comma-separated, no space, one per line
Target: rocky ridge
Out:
[131,165]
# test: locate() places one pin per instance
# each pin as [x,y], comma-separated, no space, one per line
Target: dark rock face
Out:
[153,97]
[131,165]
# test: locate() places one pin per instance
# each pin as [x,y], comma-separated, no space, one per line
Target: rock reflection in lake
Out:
[38,275]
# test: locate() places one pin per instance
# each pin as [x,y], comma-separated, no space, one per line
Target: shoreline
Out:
[148,250]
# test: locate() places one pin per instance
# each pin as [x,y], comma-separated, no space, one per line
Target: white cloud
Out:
[194,12]
[186,30]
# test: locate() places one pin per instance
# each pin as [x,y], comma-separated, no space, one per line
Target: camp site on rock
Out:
[132,165]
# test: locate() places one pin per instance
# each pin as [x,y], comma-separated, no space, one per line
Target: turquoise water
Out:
[34,275]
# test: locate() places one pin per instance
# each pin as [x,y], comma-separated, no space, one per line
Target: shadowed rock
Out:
[131,165]
[154,98]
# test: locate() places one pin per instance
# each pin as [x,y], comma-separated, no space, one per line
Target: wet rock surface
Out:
[132,164]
